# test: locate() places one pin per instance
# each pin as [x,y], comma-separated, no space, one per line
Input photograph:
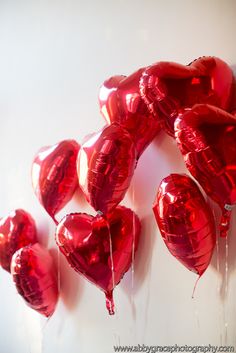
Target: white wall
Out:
[54,55]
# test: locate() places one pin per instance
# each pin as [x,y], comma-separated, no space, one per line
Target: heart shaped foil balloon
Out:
[54,175]
[167,88]
[100,249]
[206,137]
[16,230]
[105,166]
[120,102]
[34,274]
[185,221]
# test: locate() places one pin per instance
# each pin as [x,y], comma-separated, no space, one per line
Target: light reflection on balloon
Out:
[54,175]
[105,166]
[99,248]
[206,137]
[168,88]
[17,229]
[34,274]
[185,221]
[120,102]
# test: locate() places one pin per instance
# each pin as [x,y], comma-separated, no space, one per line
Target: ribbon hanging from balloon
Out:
[206,137]
[185,221]
[105,166]
[168,88]
[54,175]
[16,231]
[100,248]
[34,274]
[120,102]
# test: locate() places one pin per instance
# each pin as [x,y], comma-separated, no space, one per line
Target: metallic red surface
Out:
[185,221]
[105,166]
[100,249]
[16,230]
[120,102]
[54,175]
[206,136]
[35,277]
[167,88]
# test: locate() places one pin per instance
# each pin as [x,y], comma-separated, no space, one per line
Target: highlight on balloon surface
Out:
[168,88]
[206,137]
[35,276]
[105,166]
[17,230]
[120,102]
[54,176]
[100,248]
[185,221]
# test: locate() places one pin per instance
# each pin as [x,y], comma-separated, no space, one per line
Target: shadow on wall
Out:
[161,158]
[146,180]
[69,283]
[43,232]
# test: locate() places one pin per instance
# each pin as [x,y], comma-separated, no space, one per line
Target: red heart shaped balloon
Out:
[185,221]
[206,136]
[34,274]
[16,230]
[54,175]
[167,88]
[100,249]
[120,102]
[105,166]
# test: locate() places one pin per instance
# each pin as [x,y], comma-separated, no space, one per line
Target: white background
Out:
[54,56]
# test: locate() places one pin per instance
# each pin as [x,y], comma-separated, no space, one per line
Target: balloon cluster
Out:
[190,104]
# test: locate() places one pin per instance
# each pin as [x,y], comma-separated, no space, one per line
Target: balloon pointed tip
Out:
[110,302]
[54,219]
[195,286]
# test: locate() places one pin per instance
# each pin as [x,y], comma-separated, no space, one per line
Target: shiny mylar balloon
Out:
[35,277]
[16,230]
[105,166]
[100,249]
[120,102]
[206,137]
[54,175]
[185,221]
[167,88]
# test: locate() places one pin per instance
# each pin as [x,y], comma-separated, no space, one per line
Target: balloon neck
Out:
[110,302]
[225,220]
[100,221]
[195,286]
[99,213]
[54,220]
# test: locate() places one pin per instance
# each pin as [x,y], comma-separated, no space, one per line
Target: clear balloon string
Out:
[195,286]
[133,264]
[133,249]
[58,270]
[226,291]
[109,294]
[226,266]
[43,329]
[55,221]
[218,282]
